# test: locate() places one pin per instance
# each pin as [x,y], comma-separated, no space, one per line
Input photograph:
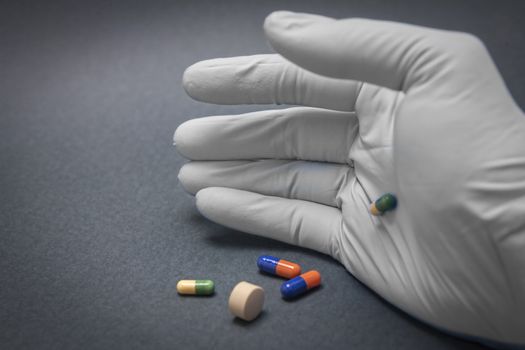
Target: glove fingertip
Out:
[206,202]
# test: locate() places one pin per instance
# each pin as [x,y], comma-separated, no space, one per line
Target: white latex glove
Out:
[418,112]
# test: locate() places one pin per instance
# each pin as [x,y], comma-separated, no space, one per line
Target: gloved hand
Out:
[417,112]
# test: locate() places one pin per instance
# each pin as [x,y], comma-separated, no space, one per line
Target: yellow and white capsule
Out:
[196,287]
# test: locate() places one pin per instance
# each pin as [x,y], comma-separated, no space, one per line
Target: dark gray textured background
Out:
[94,229]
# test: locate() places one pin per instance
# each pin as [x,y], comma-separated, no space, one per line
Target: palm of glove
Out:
[432,122]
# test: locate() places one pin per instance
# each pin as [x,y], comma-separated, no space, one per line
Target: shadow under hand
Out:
[226,238]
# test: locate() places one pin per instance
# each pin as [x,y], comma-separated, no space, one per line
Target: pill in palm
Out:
[196,287]
[384,203]
[300,284]
[280,267]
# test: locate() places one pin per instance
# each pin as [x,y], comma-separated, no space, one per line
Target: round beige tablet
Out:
[246,301]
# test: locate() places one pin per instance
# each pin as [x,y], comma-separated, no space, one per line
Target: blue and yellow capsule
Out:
[384,203]
[196,287]
[300,284]
[279,267]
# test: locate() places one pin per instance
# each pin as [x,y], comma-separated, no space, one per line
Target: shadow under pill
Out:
[278,278]
[197,296]
[305,295]
[247,324]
